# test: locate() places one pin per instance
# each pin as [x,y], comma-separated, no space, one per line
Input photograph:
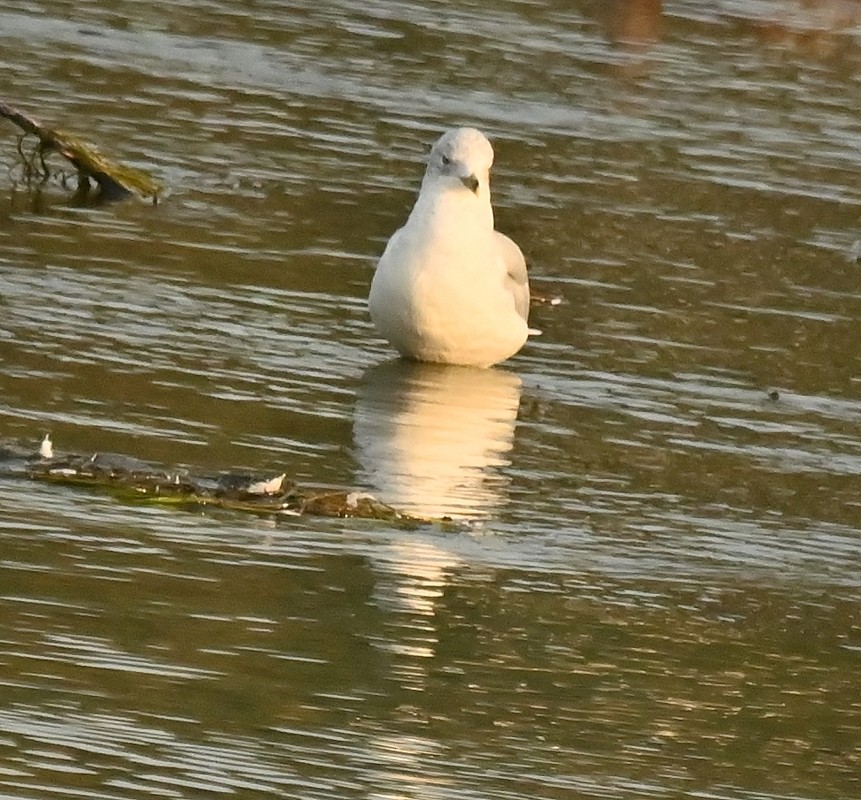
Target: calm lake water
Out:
[654,586]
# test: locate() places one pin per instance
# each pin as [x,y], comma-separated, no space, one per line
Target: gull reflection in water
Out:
[431,439]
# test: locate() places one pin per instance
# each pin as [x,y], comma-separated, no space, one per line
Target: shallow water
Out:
[655,589]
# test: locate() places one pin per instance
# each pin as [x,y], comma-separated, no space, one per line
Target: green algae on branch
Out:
[135,481]
[115,181]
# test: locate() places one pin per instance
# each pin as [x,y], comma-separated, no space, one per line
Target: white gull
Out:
[449,288]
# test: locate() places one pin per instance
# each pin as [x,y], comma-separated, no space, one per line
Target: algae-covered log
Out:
[115,181]
[135,481]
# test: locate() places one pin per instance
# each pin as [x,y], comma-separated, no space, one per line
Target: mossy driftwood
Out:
[135,481]
[113,181]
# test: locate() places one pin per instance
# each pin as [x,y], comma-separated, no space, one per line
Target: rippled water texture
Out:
[651,588]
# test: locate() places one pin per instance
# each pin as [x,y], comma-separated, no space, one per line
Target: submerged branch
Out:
[115,181]
[135,481]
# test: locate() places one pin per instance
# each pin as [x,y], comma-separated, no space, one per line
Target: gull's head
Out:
[461,158]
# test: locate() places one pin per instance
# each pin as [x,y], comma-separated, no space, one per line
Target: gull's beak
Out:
[471,183]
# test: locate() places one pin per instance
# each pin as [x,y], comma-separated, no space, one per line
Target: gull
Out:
[449,288]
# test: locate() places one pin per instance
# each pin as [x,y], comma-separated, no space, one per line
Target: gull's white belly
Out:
[445,312]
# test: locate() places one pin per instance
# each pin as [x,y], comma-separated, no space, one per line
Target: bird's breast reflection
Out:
[431,439]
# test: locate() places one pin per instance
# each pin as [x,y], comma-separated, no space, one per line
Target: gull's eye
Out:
[446,161]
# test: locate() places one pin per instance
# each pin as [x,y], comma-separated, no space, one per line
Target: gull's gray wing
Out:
[516,279]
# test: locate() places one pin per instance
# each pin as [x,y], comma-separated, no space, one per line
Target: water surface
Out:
[653,586]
